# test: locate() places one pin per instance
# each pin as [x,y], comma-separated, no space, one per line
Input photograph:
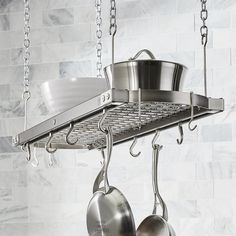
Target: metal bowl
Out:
[146,74]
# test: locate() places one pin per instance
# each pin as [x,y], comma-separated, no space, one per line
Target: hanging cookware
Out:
[146,74]
[155,225]
[109,213]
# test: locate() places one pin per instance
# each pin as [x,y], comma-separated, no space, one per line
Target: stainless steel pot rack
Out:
[159,110]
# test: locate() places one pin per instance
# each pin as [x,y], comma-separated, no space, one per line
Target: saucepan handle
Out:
[100,176]
[109,142]
[157,195]
[148,52]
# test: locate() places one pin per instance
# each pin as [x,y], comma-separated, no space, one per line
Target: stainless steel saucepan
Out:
[155,225]
[109,213]
[146,74]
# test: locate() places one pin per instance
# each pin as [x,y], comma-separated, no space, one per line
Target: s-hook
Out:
[35,163]
[131,151]
[68,134]
[26,148]
[101,121]
[154,145]
[192,113]
[48,145]
[181,132]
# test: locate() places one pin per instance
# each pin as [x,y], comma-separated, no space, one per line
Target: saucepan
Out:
[146,74]
[155,225]
[109,213]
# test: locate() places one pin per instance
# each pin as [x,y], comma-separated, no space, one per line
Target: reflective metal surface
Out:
[109,213]
[146,74]
[159,110]
[155,225]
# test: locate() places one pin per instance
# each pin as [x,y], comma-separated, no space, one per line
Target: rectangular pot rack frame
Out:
[157,109]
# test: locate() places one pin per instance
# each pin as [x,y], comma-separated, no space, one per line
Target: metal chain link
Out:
[204,38]
[98,5]
[113,25]
[26,93]
[112,31]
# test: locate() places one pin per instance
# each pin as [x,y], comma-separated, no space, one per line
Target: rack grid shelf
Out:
[159,110]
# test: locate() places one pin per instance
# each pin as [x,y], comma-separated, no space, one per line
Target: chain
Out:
[98,6]
[204,35]
[113,25]
[26,93]
[112,31]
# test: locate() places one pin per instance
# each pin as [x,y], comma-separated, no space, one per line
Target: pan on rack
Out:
[146,74]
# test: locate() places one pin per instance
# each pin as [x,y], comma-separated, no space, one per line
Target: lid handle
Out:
[148,52]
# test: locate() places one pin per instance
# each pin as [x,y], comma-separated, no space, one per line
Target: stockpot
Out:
[146,74]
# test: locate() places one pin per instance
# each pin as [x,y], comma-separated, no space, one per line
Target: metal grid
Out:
[122,119]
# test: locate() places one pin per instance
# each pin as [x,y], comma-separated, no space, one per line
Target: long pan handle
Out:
[100,176]
[109,143]
[157,197]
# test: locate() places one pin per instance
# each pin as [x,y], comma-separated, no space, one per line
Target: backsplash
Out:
[197,179]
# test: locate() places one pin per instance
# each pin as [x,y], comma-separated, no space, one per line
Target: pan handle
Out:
[157,197]
[100,176]
[109,143]
[148,52]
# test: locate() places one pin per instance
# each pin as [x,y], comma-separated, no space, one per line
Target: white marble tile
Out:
[215,207]
[222,187]
[4,23]
[223,4]
[216,133]
[11,6]
[64,16]
[217,58]
[198,226]
[194,190]
[16,20]
[214,21]
[215,170]
[10,213]
[17,56]
[14,229]
[58,52]
[224,226]
[223,38]
[75,69]
[224,152]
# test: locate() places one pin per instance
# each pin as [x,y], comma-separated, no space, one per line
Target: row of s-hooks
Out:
[48,147]
[51,150]
[180,128]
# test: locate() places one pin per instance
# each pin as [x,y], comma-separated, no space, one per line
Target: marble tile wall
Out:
[197,179]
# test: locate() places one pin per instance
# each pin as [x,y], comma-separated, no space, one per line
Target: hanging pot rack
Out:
[159,110]
[130,113]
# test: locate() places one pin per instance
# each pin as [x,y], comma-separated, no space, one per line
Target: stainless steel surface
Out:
[109,213]
[155,225]
[159,110]
[146,74]
[181,132]
[131,149]
[148,52]
[99,178]
[204,38]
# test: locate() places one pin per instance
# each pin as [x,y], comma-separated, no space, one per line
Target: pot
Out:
[109,213]
[146,74]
